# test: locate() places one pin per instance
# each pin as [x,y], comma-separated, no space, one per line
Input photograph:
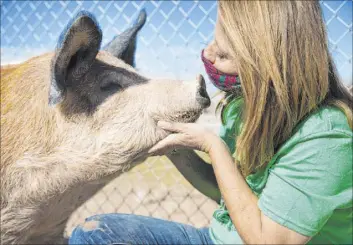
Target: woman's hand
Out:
[185,135]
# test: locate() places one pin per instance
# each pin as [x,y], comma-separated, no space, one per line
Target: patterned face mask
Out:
[222,81]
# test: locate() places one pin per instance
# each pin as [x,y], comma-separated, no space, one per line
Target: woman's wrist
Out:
[216,145]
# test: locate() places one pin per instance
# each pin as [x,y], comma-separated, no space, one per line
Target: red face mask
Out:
[222,81]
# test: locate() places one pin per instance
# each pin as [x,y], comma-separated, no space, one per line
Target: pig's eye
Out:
[110,87]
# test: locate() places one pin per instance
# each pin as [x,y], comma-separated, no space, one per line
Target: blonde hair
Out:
[281,52]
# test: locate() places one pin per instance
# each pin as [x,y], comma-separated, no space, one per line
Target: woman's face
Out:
[218,53]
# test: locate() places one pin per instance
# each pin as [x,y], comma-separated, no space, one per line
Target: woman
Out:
[283,163]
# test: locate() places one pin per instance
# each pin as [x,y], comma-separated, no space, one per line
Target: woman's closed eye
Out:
[224,62]
[221,55]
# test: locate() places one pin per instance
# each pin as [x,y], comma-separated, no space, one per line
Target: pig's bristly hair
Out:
[70,47]
[71,22]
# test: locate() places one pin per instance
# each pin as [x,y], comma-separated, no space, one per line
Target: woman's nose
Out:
[210,53]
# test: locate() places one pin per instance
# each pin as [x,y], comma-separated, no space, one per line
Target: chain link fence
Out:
[168,46]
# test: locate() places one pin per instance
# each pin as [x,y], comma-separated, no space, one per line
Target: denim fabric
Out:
[135,229]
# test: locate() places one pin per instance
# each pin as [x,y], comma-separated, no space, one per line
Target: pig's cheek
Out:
[159,133]
[164,133]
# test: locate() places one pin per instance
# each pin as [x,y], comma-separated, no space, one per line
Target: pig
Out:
[74,119]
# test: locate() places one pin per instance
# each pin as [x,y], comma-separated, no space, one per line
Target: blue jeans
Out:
[135,229]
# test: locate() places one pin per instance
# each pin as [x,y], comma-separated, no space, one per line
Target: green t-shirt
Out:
[307,185]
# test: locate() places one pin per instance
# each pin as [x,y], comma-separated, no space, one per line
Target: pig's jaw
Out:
[187,117]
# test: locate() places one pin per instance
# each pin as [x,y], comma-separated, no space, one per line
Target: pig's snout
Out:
[201,93]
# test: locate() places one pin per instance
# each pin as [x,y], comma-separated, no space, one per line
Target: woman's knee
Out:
[101,229]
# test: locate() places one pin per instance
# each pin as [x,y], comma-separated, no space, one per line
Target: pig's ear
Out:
[124,45]
[76,51]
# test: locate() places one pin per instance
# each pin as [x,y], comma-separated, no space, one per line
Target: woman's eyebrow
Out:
[220,50]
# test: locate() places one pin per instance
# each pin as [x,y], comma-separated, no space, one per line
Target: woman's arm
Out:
[252,225]
[197,172]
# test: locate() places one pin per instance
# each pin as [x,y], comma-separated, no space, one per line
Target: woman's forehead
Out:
[220,38]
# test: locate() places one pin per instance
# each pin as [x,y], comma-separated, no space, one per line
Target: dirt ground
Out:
[154,188]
